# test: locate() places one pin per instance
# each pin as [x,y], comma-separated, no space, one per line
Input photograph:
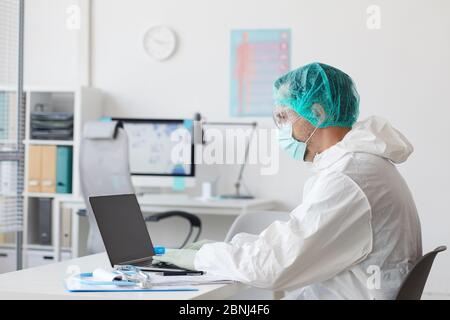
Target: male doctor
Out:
[356,233]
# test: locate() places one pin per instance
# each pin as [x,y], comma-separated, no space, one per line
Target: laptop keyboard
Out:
[157,265]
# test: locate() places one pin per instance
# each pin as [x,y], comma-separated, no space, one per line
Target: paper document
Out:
[187,280]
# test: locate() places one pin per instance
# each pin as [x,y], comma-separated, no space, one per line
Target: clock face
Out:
[160,42]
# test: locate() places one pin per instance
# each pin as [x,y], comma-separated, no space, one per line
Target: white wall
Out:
[402,72]
[51,49]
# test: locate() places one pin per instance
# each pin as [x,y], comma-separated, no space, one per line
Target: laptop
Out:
[124,232]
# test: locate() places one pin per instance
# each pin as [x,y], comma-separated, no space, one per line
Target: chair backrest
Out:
[104,170]
[254,222]
[414,283]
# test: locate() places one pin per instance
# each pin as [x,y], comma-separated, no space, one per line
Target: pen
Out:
[179,273]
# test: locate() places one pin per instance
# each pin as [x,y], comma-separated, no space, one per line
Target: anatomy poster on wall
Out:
[258,58]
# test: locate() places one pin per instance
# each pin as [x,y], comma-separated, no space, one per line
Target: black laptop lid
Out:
[122,227]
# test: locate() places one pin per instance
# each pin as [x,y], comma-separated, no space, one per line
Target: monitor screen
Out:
[160,147]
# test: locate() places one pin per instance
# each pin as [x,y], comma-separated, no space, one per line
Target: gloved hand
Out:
[182,258]
[197,245]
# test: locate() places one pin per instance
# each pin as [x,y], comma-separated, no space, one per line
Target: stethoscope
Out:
[83,278]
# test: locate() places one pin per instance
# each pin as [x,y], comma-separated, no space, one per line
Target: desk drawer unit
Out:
[7,260]
[37,258]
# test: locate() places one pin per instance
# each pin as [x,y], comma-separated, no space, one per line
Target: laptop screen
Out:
[122,227]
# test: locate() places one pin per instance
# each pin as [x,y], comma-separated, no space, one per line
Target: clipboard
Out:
[73,284]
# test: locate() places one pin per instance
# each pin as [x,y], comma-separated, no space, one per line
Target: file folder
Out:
[45,221]
[66,227]
[48,173]
[34,168]
[64,170]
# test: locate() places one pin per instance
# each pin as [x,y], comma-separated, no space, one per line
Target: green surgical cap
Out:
[318,83]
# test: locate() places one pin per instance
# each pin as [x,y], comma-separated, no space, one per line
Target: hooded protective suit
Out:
[355,236]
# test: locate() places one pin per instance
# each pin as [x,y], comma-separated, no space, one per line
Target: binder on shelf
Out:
[48,169]
[45,220]
[64,170]
[34,168]
[66,227]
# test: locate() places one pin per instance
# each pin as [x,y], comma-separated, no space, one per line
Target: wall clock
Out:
[160,42]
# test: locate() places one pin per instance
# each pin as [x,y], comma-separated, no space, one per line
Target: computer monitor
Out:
[153,160]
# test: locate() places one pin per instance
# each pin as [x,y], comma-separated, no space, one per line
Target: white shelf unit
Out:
[49,142]
[86,104]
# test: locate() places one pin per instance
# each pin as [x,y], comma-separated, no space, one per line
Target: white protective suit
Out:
[355,236]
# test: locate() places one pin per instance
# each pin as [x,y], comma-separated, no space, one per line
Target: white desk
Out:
[160,203]
[47,282]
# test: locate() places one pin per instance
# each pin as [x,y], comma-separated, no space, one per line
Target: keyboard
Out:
[158,265]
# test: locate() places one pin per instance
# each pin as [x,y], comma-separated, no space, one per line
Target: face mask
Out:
[296,149]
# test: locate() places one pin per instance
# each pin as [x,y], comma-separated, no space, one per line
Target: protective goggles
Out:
[283,116]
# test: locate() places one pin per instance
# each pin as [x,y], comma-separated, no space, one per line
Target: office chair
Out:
[193,220]
[104,169]
[412,287]
[254,223]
